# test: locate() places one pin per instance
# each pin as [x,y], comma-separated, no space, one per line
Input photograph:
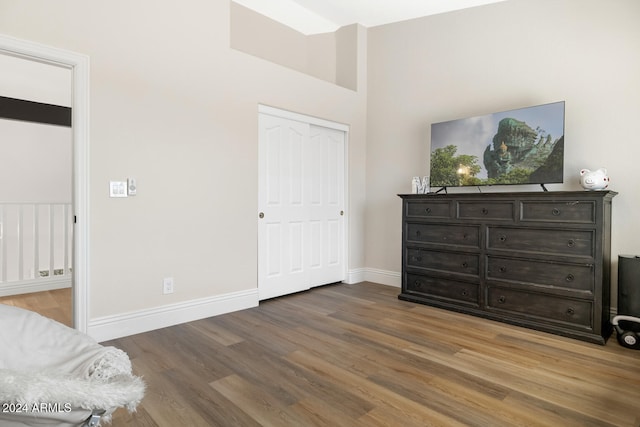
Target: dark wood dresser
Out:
[535,259]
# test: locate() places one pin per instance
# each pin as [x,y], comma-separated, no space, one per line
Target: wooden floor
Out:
[355,355]
[56,305]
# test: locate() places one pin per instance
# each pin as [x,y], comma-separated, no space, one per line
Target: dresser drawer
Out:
[442,288]
[543,241]
[542,307]
[486,211]
[568,211]
[566,276]
[443,234]
[428,209]
[453,262]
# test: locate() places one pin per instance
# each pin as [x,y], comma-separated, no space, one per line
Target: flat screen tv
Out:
[523,146]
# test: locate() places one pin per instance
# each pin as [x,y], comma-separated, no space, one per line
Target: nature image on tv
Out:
[524,146]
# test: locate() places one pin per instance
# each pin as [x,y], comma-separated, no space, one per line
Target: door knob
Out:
[341,213]
[261,215]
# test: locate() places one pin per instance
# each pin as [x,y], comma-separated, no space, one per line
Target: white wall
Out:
[35,158]
[35,162]
[34,81]
[494,58]
[175,107]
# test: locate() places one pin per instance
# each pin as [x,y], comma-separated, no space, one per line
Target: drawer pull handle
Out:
[570,311]
[465,264]
[503,269]
[464,293]
[418,284]
[419,258]
[570,277]
[485,211]
[503,238]
[571,243]
[555,212]
[418,233]
[428,210]
[502,299]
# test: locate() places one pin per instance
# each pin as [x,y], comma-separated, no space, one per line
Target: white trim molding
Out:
[383,277]
[355,275]
[35,285]
[291,115]
[121,325]
[79,66]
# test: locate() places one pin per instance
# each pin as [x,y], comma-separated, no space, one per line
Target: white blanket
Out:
[43,361]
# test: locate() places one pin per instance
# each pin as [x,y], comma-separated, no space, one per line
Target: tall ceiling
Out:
[323,16]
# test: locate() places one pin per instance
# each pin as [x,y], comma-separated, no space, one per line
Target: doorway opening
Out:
[36,229]
[79,67]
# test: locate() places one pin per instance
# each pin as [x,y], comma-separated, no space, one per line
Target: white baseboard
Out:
[121,325]
[355,275]
[384,277]
[34,285]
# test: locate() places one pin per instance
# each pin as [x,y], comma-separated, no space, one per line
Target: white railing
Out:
[36,244]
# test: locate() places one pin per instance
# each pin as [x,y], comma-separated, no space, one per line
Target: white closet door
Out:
[282,256]
[326,199]
[300,200]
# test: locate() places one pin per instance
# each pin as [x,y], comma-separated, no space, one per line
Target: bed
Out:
[53,375]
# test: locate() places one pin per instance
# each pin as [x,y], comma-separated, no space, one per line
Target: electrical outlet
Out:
[167,285]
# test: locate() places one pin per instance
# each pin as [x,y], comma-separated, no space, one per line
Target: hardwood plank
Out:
[265,409]
[320,412]
[376,394]
[535,412]
[559,390]
[216,332]
[139,418]
[167,405]
[356,355]
[56,304]
[390,417]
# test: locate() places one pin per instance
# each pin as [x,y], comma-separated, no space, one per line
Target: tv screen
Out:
[523,146]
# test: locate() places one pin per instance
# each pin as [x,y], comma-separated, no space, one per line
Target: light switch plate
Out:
[117,188]
[132,186]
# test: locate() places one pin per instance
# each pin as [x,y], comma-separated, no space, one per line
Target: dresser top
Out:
[546,195]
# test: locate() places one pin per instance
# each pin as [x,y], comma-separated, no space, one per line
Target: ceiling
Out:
[323,16]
